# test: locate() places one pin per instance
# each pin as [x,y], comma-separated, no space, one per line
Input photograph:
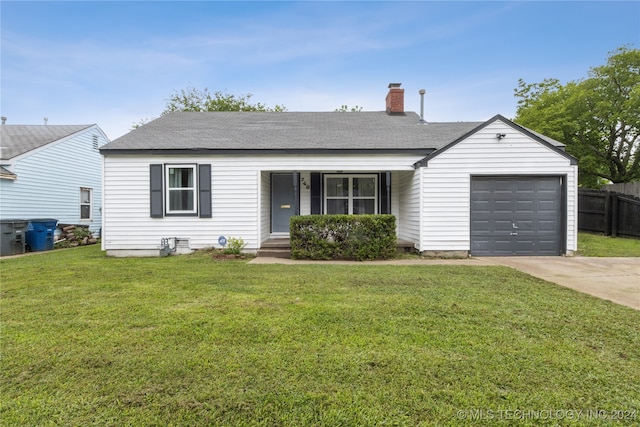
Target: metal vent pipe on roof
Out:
[4,120]
[422,92]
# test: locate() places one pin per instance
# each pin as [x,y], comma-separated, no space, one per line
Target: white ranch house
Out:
[459,188]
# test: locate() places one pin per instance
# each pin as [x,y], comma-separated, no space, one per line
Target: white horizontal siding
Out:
[50,178]
[447,177]
[240,187]
[408,196]
[128,225]
[235,203]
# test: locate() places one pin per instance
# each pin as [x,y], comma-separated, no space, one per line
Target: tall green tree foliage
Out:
[192,99]
[598,118]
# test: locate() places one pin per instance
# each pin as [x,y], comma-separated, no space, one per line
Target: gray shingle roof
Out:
[19,139]
[289,131]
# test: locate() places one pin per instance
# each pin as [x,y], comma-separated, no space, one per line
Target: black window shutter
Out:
[204,186]
[385,193]
[155,175]
[316,193]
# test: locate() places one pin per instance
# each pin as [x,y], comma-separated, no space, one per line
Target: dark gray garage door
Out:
[516,216]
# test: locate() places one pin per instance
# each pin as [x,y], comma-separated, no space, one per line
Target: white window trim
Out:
[90,204]
[194,189]
[350,196]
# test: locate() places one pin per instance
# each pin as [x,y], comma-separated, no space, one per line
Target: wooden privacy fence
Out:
[610,213]
[628,188]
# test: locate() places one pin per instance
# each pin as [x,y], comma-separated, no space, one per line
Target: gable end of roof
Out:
[498,117]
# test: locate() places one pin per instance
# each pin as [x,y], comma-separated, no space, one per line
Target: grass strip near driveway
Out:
[90,340]
[597,245]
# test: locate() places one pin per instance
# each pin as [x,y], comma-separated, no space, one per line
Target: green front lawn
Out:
[90,340]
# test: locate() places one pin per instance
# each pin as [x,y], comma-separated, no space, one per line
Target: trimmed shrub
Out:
[235,246]
[352,237]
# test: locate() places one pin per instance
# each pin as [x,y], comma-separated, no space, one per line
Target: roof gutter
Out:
[209,151]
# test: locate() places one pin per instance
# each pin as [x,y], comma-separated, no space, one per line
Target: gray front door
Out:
[516,216]
[282,202]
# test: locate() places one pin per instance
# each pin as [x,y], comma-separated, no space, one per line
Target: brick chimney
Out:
[395,100]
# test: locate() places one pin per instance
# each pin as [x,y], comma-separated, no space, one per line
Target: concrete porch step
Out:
[274,252]
[404,246]
[276,244]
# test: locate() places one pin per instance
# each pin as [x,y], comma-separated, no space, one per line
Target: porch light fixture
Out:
[500,135]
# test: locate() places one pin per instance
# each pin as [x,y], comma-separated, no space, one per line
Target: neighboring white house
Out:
[52,171]
[485,188]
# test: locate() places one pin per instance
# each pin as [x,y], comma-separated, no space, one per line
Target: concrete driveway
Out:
[614,279]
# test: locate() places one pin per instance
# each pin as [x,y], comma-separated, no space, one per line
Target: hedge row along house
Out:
[457,188]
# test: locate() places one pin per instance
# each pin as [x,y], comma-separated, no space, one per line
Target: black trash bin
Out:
[40,234]
[12,236]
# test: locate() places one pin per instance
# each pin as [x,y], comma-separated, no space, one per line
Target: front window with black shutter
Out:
[180,189]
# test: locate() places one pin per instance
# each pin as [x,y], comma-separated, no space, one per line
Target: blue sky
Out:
[115,63]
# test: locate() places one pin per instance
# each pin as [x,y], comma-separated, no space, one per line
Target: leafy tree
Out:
[192,99]
[345,108]
[598,118]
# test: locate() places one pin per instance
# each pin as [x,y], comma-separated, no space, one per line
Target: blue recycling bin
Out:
[40,234]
